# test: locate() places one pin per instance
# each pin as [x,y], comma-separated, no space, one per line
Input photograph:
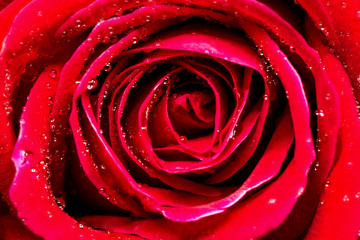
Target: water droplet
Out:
[92,84]
[114,38]
[106,39]
[107,67]
[301,191]
[319,113]
[134,85]
[358,14]
[61,203]
[102,190]
[119,12]
[166,81]
[25,154]
[272,201]
[343,4]
[52,73]
[327,184]
[317,164]
[346,198]
[183,139]
[134,40]
[321,26]
[350,165]
[33,173]
[328,96]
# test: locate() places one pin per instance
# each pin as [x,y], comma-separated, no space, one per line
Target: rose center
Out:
[192,110]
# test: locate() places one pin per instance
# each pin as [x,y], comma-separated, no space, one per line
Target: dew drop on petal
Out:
[92,84]
[272,201]
[183,139]
[61,203]
[327,184]
[107,67]
[135,40]
[301,191]
[114,39]
[350,165]
[52,73]
[33,173]
[25,155]
[106,39]
[102,190]
[328,96]
[319,113]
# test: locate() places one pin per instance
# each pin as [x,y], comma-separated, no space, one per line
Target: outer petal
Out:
[30,189]
[340,199]
[339,20]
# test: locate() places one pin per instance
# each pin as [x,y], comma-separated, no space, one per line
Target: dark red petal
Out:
[328,121]
[342,188]
[8,14]
[340,22]
[30,191]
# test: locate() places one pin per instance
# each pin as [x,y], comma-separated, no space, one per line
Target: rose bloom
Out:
[179,119]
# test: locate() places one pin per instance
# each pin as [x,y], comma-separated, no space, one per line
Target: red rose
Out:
[183,119]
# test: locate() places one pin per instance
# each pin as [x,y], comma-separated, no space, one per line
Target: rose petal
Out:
[30,192]
[340,192]
[339,21]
